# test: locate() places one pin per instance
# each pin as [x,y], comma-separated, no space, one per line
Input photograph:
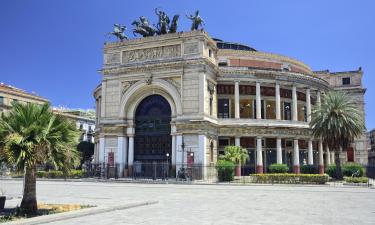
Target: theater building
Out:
[183,97]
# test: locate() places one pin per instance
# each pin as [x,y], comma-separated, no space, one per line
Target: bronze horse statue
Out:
[143,27]
[118,31]
[173,26]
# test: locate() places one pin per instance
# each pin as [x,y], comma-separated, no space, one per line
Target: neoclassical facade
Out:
[183,97]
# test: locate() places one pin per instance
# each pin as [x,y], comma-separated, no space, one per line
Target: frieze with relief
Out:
[141,55]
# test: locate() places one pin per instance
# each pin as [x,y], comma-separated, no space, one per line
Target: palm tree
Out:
[31,135]
[337,122]
[237,155]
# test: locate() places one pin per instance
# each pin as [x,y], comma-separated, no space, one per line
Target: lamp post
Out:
[183,149]
[167,167]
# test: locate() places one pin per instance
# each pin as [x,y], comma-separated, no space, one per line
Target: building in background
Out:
[84,120]
[9,94]
[371,153]
[350,82]
[181,98]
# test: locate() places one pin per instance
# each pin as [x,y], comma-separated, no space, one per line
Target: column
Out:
[203,155]
[328,158]
[131,154]
[318,100]
[332,157]
[308,105]
[258,102]
[259,162]
[321,163]
[121,154]
[279,157]
[294,104]
[173,156]
[278,103]
[179,154]
[296,167]
[310,158]
[236,100]
[101,150]
[237,141]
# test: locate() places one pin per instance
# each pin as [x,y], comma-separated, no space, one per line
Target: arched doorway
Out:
[152,141]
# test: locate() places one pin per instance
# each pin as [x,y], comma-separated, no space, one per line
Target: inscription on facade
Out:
[191,48]
[141,55]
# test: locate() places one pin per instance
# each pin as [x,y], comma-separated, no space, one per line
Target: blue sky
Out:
[55,47]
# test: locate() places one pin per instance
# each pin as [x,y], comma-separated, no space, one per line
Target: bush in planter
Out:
[225,170]
[349,169]
[309,169]
[356,180]
[331,170]
[288,178]
[278,168]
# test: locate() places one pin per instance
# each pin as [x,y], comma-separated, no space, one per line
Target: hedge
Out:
[225,170]
[348,169]
[59,174]
[309,169]
[356,179]
[278,168]
[289,178]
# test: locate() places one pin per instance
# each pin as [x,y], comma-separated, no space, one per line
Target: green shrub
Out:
[225,170]
[59,174]
[349,169]
[289,178]
[331,170]
[356,179]
[278,168]
[309,169]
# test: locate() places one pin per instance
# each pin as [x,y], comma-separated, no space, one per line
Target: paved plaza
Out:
[208,204]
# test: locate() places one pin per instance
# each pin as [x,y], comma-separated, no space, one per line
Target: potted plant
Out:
[2,199]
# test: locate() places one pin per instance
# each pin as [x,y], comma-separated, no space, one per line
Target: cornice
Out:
[265,55]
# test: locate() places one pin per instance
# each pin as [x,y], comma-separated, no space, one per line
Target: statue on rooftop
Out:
[118,31]
[173,26]
[164,24]
[196,21]
[143,27]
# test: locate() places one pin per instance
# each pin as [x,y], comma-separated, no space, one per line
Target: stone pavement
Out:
[209,204]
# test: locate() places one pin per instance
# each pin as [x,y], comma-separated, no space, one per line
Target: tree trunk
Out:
[29,203]
[338,165]
[238,170]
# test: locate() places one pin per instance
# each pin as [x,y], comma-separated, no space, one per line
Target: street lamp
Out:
[167,164]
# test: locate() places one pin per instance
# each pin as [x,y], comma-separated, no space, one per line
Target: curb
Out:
[77,213]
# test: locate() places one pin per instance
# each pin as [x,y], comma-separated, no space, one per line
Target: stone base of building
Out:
[321,169]
[260,169]
[296,169]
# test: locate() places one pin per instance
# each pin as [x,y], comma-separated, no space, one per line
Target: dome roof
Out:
[231,45]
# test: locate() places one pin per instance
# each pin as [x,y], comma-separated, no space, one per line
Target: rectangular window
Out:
[287,111]
[223,64]
[246,108]
[270,109]
[1,100]
[223,108]
[346,81]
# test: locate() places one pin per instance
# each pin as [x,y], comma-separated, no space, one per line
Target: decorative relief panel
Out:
[176,83]
[191,48]
[264,132]
[126,85]
[112,58]
[140,55]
